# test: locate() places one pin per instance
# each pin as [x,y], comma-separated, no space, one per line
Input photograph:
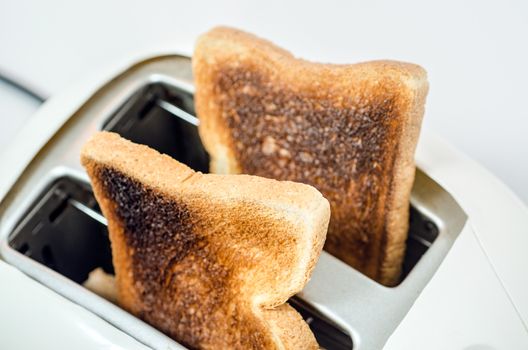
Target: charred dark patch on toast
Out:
[157,229]
[184,291]
[341,146]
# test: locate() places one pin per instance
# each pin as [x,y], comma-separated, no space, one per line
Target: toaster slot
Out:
[58,233]
[162,117]
[65,231]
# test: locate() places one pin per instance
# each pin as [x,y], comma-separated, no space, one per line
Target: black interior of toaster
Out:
[143,119]
[56,231]
[64,230]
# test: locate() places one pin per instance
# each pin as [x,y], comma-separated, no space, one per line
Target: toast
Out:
[210,260]
[348,130]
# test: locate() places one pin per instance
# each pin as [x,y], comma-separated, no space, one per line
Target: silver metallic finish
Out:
[180,113]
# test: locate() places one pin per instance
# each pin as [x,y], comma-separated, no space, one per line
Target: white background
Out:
[476,54]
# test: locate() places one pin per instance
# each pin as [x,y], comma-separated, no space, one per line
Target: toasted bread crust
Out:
[208,259]
[348,130]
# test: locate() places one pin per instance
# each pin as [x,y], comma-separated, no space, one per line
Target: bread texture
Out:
[208,259]
[348,130]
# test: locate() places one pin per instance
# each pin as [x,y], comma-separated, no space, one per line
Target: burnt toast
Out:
[210,260]
[348,130]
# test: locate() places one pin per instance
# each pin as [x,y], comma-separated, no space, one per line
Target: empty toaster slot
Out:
[162,117]
[72,239]
[57,233]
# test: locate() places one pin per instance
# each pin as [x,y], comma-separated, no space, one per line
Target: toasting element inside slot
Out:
[163,118]
[65,231]
[71,238]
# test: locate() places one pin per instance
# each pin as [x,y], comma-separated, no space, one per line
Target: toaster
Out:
[464,282]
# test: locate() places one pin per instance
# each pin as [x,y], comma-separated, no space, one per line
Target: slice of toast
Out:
[348,130]
[209,260]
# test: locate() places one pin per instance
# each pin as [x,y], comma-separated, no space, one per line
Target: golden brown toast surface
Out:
[348,130]
[208,259]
